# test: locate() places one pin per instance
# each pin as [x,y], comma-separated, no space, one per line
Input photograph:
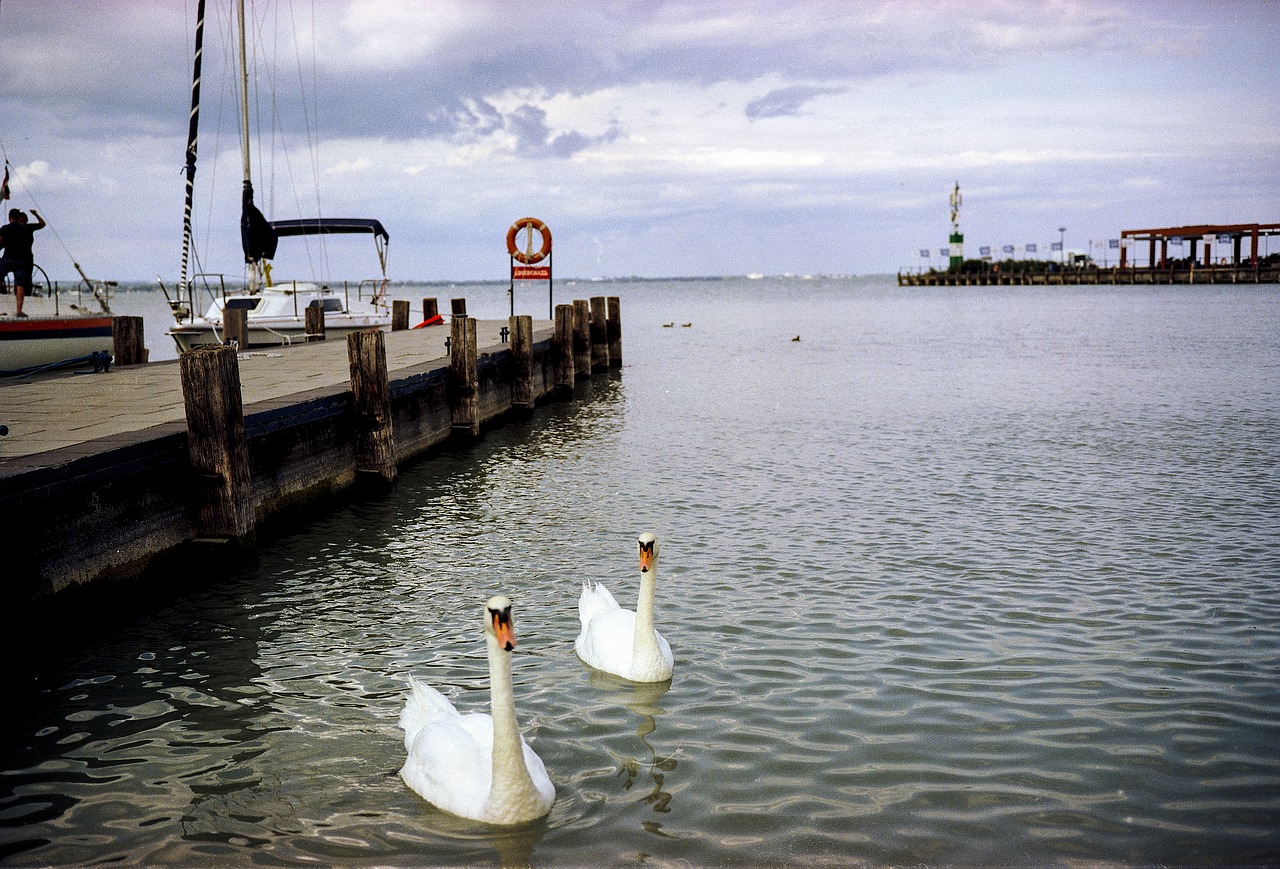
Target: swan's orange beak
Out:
[646,557]
[503,630]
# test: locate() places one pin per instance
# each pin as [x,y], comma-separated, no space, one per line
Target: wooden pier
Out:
[115,475]
[1263,273]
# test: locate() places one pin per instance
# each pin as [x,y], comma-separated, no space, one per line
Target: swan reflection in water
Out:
[641,698]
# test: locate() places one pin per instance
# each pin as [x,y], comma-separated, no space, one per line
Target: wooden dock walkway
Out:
[50,413]
[166,468]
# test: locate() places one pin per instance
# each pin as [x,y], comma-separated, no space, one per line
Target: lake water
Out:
[961,576]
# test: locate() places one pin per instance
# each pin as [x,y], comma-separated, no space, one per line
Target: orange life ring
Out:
[529,256]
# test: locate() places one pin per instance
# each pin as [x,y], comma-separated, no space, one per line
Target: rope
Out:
[101,360]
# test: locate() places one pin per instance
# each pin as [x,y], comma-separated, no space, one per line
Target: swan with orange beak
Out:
[476,765]
[620,641]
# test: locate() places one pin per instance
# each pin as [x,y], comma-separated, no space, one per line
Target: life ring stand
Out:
[527,257]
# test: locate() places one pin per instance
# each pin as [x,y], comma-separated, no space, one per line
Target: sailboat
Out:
[58,328]
[275,309]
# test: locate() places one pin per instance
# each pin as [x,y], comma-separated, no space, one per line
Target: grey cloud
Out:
[786,101]
[534,138]
[582,47]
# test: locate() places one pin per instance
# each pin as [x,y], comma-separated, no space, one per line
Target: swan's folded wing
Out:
[538,772]
[607,643]
[450,766]
[425,705]
[595,600]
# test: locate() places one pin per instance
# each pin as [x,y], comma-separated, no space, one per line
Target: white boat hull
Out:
[49,334]
[32,343]
[275,332]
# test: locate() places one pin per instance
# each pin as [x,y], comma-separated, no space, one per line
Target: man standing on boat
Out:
[16,237]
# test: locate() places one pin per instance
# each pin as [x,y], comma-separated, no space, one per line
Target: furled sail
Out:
[256,234]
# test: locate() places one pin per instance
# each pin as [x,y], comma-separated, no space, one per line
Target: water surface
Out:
[961,576]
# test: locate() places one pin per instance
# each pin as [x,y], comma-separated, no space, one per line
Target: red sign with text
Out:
[531,273]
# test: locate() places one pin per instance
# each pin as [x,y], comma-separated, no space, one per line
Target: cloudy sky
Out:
[702,137]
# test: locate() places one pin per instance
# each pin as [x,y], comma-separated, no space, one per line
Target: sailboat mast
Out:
[252,277]
[244,95]
[192,134]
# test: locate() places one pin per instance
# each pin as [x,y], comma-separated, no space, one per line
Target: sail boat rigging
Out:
[275,310]
[193,141]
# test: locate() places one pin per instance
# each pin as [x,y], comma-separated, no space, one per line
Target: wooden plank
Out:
[599,335]
[216,444]
[375,453]
[521,327]
[127,341]
[463,381]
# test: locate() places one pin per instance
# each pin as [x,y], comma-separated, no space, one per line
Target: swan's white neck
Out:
[645,653]
[511,785]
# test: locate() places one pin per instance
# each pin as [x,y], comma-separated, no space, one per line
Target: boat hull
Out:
[46,341]
[201,333]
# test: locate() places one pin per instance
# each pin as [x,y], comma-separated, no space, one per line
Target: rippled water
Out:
[963,576]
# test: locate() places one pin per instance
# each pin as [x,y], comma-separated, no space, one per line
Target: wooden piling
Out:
[458,307]
[127,346]
[581,339]
[521,327]
[464,403]
[314,323]
[375,454]
[430,309]
[613,329]
[399,315]
[216,444]
[562,347]
[599,335]
[235,327]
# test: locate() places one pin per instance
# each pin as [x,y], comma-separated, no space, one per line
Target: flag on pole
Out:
[1008,248]
[1113,243]
[924,251]
[1031,247]
[1057,245]
[4,186]
[984,250]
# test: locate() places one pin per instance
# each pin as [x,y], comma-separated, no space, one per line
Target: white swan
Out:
[620,641]
[476,765]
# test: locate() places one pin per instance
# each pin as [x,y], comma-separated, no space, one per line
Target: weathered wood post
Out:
[458,307]
[521,327]
[314,323]
[464,398]
[562,344]
[216,444]
[613,328]
[429,309]
[581,339]
[375,452]
[399,315]
[599,335]
[235,327]
[127,346]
